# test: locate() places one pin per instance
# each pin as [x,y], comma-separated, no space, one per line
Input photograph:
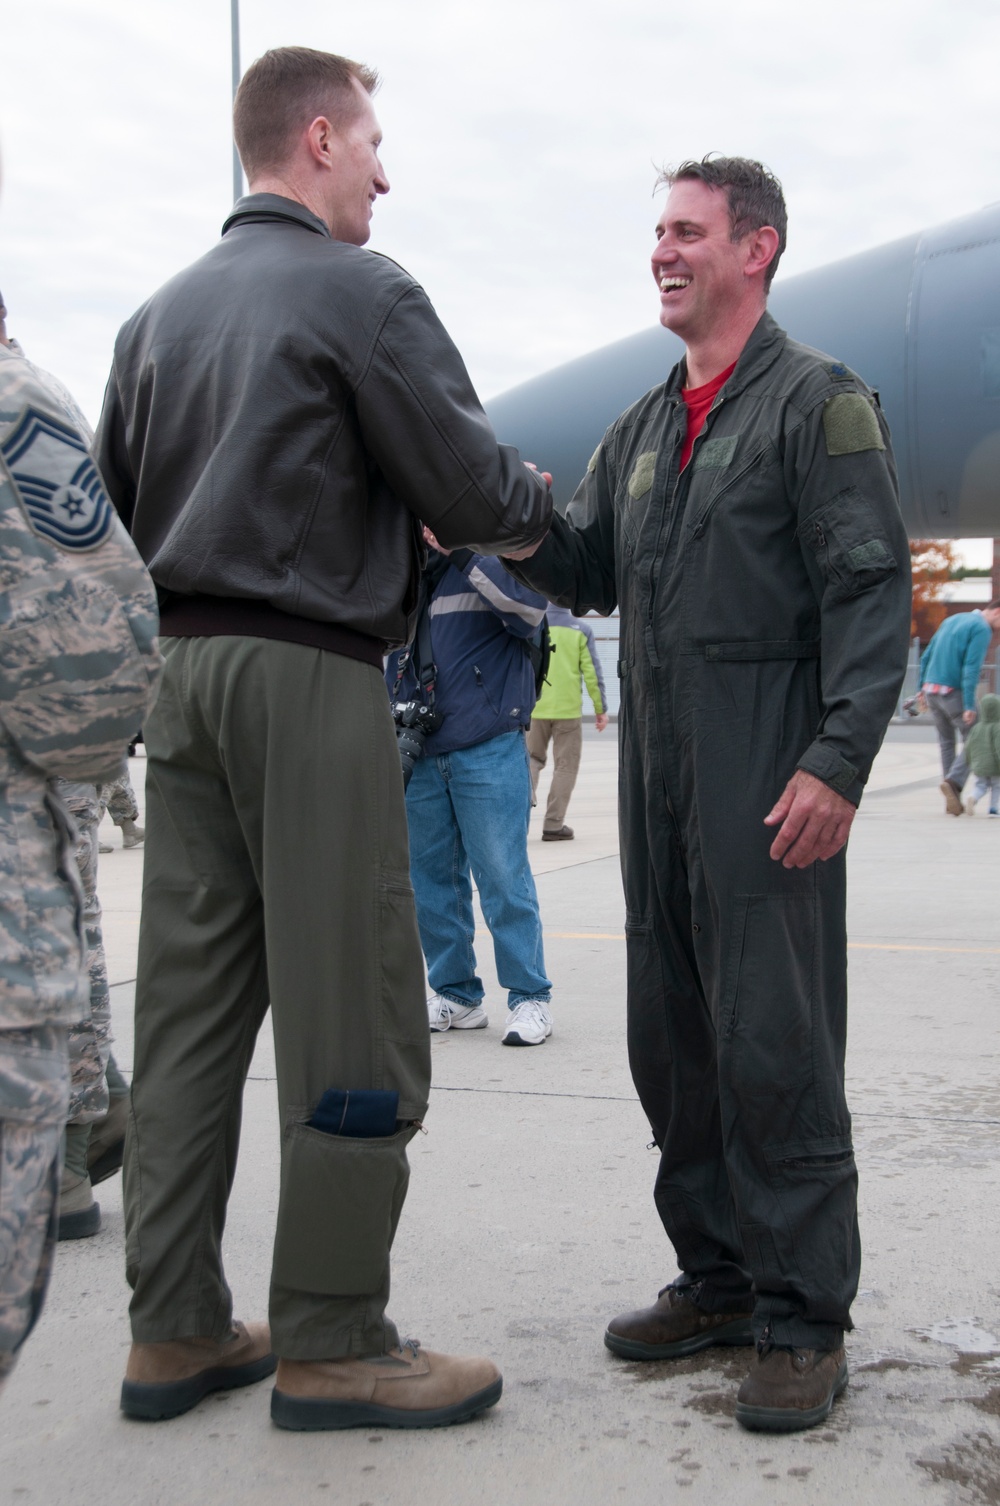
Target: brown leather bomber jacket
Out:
[280,415]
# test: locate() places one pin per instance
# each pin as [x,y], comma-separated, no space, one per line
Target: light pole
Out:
[234,9]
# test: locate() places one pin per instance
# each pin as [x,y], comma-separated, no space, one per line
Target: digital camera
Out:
[414,723]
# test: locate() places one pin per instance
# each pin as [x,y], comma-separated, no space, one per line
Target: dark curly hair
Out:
[754,195]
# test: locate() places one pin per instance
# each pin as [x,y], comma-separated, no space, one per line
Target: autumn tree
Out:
[932,562]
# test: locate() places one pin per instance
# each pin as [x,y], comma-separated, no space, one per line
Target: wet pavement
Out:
[530,1223]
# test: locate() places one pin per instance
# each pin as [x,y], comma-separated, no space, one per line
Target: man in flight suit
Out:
[744,518]
[279,418]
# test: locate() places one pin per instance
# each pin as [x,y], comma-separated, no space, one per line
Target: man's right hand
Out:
[601,721]
[525,554]
[968,717]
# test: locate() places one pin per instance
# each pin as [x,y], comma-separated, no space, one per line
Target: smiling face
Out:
[357,175]
[700,271]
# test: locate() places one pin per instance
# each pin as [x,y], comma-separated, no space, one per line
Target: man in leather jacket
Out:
[278,417]
[744,518]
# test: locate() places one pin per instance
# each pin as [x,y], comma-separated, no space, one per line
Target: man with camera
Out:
[462,693]
[277,417]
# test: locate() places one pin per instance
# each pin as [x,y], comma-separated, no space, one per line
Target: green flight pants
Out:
[276,873]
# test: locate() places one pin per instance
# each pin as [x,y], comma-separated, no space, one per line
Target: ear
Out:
[761,249]
[318,141]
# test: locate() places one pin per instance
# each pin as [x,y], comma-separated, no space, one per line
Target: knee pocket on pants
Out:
[768,991]
[340,1199]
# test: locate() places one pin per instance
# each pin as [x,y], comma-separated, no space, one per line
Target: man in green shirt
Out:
[558,714]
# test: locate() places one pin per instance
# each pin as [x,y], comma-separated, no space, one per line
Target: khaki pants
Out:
[276,873]
[566,736]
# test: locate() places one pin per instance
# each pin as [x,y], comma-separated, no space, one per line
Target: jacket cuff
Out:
[825,764]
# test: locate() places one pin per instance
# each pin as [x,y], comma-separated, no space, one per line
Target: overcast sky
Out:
[521,140]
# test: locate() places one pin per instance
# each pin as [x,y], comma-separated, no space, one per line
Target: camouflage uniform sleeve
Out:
[79,662]
[90,1038]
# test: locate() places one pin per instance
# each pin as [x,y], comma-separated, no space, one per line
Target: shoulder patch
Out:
[592,462]
[715,454]
[838,369]
[850,425]
[57,483]
[641,478]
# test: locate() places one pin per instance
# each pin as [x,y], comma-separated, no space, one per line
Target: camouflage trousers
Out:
[34,1093]
[90,1039]
[118,799]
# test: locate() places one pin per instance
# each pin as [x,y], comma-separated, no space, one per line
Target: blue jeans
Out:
[468,811]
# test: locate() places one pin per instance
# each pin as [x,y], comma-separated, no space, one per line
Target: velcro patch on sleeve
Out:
[850,425]
[870,555]
[641,478]
[715,454]
[592,462]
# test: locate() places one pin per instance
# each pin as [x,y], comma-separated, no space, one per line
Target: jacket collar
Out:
[766,342]
[271,208]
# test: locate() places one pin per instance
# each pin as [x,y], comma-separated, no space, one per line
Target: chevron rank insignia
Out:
[59,485]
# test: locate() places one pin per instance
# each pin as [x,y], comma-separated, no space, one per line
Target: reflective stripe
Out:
[503,603]
[469,601]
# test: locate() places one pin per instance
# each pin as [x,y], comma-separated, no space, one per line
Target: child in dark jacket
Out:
[982,749]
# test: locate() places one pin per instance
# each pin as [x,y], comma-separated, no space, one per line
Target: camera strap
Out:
[423,657]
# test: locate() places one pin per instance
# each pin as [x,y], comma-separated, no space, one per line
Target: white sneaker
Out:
[445,1014]
[529,1024]
[970,807]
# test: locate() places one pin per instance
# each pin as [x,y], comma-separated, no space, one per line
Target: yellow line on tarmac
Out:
[859,946]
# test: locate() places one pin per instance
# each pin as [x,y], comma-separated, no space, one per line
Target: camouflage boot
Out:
[132,835]
[79,1215]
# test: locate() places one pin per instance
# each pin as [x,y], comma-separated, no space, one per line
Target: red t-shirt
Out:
[698,400]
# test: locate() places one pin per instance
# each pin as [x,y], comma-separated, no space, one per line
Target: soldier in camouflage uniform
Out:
[95,1082]
[118,799]
[79,667]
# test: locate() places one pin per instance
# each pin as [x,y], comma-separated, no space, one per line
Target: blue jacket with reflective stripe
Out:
[480,616]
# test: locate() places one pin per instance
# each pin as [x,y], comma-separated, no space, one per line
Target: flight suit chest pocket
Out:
[740,469]
[850,548]
[635,489]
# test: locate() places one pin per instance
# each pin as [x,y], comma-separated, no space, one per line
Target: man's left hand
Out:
[813,822]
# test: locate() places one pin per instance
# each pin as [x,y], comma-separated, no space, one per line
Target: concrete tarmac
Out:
[530,1222]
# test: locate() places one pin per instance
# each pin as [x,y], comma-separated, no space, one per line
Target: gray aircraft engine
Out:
[918,319]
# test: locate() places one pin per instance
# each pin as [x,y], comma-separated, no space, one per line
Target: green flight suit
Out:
[765,608]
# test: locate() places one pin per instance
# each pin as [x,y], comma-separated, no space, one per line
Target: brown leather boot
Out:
[674,1326]
[164,1380]
[409,1387]
[789,1389]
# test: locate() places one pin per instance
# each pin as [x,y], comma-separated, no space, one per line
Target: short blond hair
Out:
[286,89]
